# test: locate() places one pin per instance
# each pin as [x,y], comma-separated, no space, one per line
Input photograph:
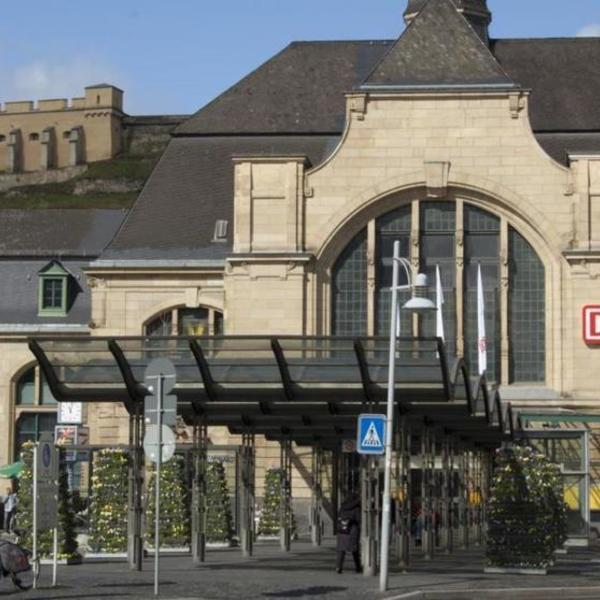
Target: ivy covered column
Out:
[198,509]
[108,519]
[67,541]
[317,497]
[135,543]
[246,477]
[285,503]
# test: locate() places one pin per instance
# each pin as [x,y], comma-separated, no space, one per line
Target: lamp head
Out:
[419,303]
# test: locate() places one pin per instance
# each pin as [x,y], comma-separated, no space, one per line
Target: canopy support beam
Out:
[199,490]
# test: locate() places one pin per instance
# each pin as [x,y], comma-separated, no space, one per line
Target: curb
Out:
[501,594]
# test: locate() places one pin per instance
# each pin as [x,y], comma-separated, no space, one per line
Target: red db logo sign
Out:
[591,324]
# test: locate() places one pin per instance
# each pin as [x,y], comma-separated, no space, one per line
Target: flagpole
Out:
[481,337]
[440,300]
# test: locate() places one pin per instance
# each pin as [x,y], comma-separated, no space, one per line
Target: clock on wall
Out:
[70,412]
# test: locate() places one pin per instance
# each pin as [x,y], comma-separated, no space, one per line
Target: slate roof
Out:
[563,75]
[19,292]
[31,239]
[294,104]
[300,90]
[439,48]
[559,145]
[191,187]
[57,232]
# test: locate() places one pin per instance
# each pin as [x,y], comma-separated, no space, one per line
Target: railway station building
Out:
[262,244]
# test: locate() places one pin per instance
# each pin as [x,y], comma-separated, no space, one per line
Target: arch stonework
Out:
[378,199]
[491,196]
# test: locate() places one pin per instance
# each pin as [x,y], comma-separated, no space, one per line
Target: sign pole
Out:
[55,557]
[35,515]
[389,432]
[159,394]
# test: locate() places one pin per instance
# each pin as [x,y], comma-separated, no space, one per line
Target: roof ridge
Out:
[547,39]
[346,41]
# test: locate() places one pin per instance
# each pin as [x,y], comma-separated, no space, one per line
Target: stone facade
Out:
[292,220]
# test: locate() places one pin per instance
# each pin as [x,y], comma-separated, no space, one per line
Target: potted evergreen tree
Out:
[219,522]
[174,506]
[526,513]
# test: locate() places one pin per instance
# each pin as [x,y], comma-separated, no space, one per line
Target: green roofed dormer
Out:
[53,290]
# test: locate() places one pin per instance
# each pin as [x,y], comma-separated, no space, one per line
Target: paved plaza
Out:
[308,573]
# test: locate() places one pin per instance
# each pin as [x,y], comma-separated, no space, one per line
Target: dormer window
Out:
[53,290]
[220,233]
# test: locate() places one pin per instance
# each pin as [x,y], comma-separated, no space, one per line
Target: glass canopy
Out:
[308,389]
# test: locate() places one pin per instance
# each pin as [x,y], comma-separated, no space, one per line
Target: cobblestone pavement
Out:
[307,573]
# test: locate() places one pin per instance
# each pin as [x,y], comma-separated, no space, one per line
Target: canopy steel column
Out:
[485,490]
[427,492]
[369,480]
[477,498]
[450,519]
[470,505]
[135,541]
[285,504]
[316,521]
[199,509]
[438,500]
[335,487]
[246,478]
[462,498]
[445,494]
[403,512]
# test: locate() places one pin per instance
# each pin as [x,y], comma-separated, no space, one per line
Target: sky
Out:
[174,56]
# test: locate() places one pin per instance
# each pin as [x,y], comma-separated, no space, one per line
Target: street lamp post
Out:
[418,304]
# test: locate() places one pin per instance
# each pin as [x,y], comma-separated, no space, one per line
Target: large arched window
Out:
[35,408]
[458,238]
[186,321]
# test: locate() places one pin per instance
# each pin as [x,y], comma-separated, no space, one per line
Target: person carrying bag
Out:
[348,533]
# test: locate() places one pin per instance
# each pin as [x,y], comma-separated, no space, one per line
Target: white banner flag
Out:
[439,302]
[481,337]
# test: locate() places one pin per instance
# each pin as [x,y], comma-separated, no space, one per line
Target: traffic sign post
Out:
[151,443]
[160,411]
[45,501]
[370,439]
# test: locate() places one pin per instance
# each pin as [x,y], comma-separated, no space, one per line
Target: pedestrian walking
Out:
[348,533]
[10,508]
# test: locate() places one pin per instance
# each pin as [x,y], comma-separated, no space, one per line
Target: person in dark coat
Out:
[348,532]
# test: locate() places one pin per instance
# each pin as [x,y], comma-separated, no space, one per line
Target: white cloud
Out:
[43,79]
[591,30]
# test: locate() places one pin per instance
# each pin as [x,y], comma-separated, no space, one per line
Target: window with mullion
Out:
[438,249]
[29,427]
[482,248]
[526,311]
[349,289]
[390,228]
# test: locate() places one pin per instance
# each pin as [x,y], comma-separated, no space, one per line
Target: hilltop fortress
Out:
[58,133]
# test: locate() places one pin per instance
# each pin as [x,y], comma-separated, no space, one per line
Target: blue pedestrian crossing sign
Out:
[371,434]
